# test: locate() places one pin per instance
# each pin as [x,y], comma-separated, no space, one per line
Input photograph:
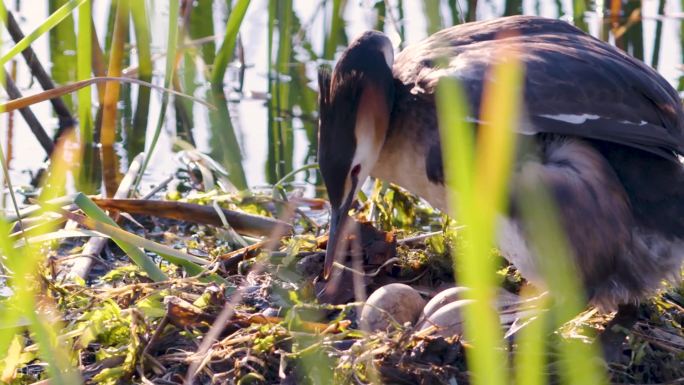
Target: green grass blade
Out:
[478,191]
[433,15]
[104,224]
[109,32]
[471,15]
[530,358]
[224,145]
[22,262]
[62,47]
[281,135]
[112,89]
[9,319]
[5,171]
[171,45]
[457,139]
[579,361]
[292,173]
[83,70]
[307,99]
[336,33]
[135,139]
[633,35]
[455,12]
[381,18]
[228,46]
[579,9]
[657,39]
[45,331]
[402,26]
[272,9]
[47,25]
[272,155]
[88,176]
[3,159]
[486,360]
[136,254]
[202,25]
[513,7]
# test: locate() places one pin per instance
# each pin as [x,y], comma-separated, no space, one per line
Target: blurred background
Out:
[269,127]
[235,80]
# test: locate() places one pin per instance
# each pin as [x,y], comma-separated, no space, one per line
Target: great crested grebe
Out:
[607,133]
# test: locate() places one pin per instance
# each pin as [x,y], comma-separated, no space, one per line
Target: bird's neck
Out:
[402,160]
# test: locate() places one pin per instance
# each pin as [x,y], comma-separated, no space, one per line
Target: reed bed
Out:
[200,278]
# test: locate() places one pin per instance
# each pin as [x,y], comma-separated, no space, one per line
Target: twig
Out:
[417,238]
[155,338]
[158,188]
[242,222]
[373,274]
[82,255]
[232,259]
[66,120]
[31,120]
[94,246]
[217,327]
[46,95]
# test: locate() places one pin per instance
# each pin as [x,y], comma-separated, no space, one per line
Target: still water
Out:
[248,107]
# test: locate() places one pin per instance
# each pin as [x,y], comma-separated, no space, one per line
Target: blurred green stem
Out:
[225,53]
[135,137]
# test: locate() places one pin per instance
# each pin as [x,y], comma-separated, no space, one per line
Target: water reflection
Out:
[260,139]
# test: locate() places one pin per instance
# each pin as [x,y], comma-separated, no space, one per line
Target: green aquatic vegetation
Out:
[130,323]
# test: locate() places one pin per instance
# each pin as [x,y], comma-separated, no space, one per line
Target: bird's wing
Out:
[574,84]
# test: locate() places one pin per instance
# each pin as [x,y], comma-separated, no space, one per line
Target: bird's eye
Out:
[355,170]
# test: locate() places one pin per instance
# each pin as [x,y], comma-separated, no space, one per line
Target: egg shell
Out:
[448,319]
[442,298]
[390,304]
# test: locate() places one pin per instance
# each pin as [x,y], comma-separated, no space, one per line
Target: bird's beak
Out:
[336,236]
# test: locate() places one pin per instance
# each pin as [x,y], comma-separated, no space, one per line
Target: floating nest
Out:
[259,313]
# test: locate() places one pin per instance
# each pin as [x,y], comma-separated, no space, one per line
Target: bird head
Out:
[355,103]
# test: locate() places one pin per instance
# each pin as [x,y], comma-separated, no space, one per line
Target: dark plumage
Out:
[604,133]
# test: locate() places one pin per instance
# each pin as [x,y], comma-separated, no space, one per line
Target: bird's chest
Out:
[402,162]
